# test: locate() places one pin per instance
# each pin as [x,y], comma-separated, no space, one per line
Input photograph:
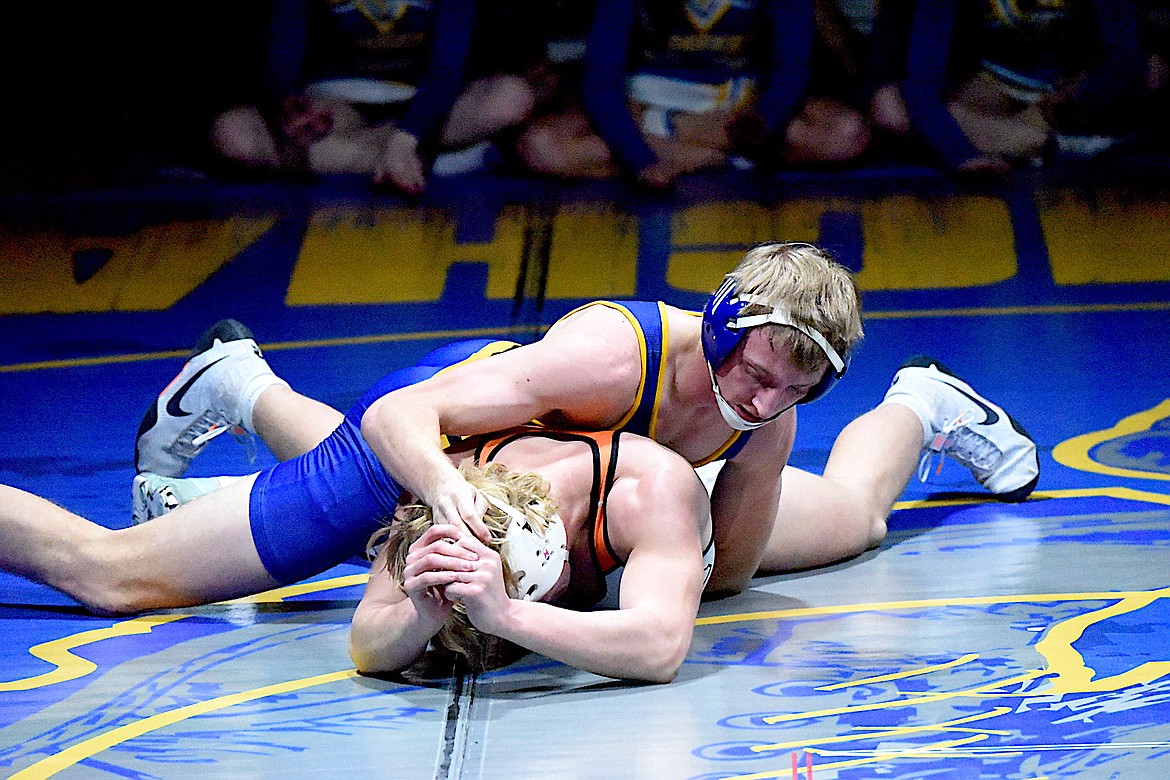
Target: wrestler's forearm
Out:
[386,638]
[744,503]
[405,437]
[742,511]
[611,643]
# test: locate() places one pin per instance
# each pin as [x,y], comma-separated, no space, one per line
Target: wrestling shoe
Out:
[153,495]
[969,428]
[208,398]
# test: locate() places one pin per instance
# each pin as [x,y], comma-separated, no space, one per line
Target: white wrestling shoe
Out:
[153,496]
[209,397]
[966,426]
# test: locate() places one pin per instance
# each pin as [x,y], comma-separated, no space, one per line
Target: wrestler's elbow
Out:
[660,660]
[368,660]
[727,582]
[876,532]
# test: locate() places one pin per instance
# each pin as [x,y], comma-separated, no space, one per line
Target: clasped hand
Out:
[447,565]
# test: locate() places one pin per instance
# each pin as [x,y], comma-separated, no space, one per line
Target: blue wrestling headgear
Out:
[724,328]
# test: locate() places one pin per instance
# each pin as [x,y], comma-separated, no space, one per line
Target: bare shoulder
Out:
[597,336]
[599,322]
[657,491]
[642,457]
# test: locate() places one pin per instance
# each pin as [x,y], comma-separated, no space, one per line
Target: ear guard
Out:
[724,328]
[536,559]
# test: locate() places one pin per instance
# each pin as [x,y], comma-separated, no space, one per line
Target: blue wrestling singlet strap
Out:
[651,325]
[648,319]
[728,450]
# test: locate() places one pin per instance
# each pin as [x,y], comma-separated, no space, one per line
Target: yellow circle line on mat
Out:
[383,338]
[70,667]
[72,755]
[50,766]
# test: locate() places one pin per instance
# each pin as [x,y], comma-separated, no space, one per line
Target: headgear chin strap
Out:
[730,416]
[536,559]
[724,328]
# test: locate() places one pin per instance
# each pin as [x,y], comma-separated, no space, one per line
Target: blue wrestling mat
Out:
[981,640]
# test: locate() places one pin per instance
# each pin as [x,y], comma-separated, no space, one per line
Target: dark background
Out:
[96,91]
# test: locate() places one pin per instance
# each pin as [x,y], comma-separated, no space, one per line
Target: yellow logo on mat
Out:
[1138,446]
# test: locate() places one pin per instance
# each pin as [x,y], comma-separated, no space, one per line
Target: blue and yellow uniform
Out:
[702,42]
[340,493]
[1031,48]
[421,44]
[648,319]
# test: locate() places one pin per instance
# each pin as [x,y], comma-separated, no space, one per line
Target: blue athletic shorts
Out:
[315,511]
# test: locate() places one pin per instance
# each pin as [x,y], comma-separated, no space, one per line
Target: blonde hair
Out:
[812,287]
[527,493]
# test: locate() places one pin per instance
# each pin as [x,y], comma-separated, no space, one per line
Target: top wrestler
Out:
[723,385]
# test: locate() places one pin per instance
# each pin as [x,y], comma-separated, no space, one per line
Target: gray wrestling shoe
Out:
[201,403]
[969,428]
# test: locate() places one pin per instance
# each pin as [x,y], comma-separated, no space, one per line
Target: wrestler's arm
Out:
[744,502]
[648,637]
[393,623]
[586,370]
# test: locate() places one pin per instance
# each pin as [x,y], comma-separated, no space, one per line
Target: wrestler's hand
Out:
[435,560]
[456,501]
[400,164]
[481,590]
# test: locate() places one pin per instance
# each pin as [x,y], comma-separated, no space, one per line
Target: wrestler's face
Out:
[759,379]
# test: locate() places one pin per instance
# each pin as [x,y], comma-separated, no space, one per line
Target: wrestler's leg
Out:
[201,552]
[486,107]
[928,408]
[565,144]
[291,424]
[824,519]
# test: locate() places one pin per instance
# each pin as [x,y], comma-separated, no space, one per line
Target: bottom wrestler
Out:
[623,501]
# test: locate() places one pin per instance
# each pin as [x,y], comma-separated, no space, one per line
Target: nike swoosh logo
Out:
[173,407]
[992,417]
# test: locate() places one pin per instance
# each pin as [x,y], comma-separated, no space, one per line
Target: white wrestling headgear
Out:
[536,559]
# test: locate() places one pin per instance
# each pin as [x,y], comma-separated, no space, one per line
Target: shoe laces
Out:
[162,499]
[207,426]
[961,443]
[202,429]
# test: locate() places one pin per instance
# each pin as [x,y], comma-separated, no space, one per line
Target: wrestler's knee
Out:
[542,151]
[100,575]
[511,101]
[487,107]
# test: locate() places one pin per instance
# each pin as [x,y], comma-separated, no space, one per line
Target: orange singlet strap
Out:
[605,450]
